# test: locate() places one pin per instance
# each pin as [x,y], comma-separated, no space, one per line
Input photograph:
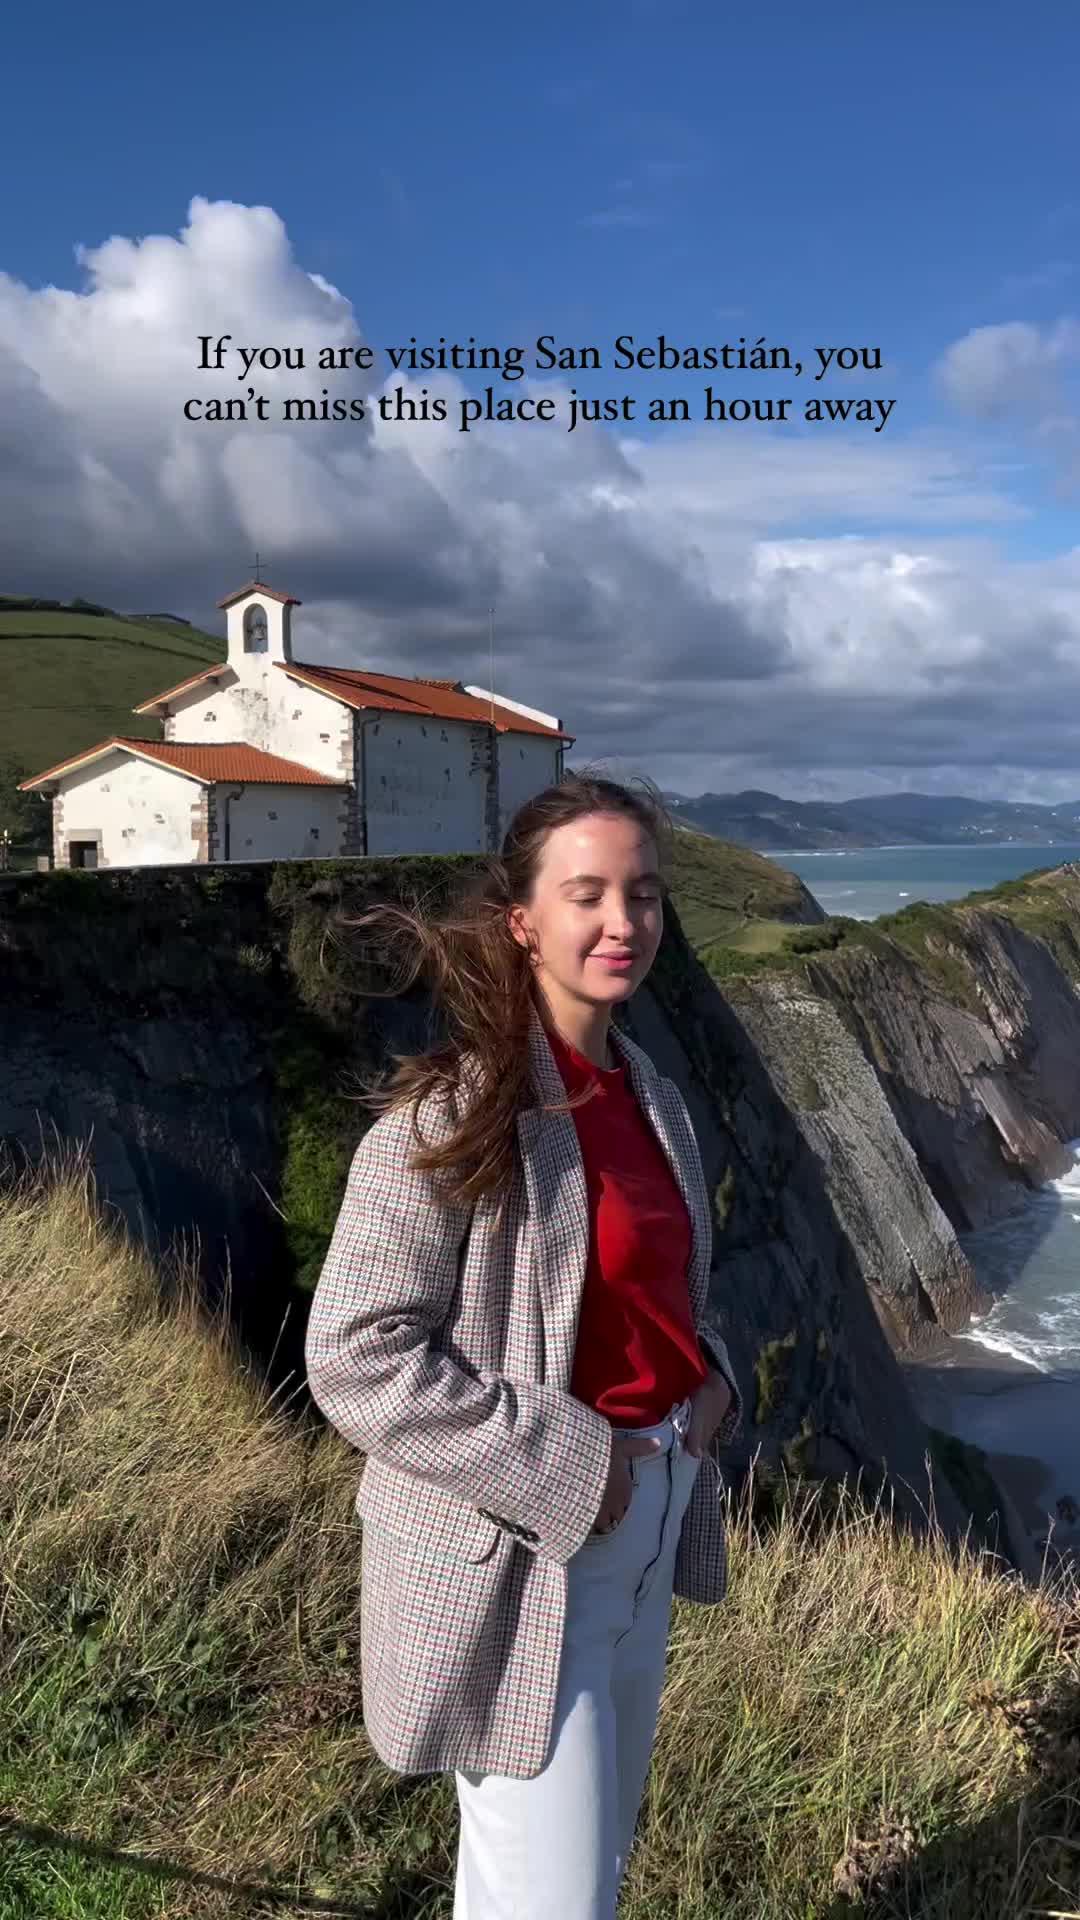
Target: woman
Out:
[510,1324]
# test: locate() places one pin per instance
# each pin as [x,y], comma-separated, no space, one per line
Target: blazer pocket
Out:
[424,1518]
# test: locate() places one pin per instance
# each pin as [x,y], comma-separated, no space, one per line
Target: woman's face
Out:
[598,894]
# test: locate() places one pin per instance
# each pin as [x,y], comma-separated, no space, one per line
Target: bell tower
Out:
[258,625]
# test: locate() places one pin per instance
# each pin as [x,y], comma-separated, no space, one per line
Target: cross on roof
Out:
[255,575]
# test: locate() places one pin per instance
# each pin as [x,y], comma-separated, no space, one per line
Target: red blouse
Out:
[637,1354]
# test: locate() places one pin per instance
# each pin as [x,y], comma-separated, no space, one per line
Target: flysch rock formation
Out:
[919,1280]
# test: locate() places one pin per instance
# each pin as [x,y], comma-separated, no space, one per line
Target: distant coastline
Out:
[924,846]
[767,821]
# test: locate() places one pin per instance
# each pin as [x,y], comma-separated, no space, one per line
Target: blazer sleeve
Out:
[710,1339]
[535,1454]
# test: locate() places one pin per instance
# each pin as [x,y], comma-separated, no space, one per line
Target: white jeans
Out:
[555,1846]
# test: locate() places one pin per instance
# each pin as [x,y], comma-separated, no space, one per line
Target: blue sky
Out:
[901,178]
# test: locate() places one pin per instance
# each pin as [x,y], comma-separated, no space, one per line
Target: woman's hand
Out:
[620,1487]
[707,1408]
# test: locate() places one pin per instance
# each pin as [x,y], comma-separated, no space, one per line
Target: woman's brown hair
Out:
[482,978]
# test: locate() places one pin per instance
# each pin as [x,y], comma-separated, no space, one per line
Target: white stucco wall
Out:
[141,811]
[425,786]
[527,764]
[264,708]
[306,826]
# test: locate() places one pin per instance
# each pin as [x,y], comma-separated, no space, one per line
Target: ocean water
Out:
[1010,1382]
[864,882]
[1031,1259]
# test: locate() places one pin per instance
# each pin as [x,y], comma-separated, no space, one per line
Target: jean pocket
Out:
[598,1539]
[610,1532]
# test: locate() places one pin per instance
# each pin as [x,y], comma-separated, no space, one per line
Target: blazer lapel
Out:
[558,1207]
[650,1093]
[558,1199]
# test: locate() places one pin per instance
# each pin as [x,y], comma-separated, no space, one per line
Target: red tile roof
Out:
[209,673]
[259,586]
[393,693]
[207,764]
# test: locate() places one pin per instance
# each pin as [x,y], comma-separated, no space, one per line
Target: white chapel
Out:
[266,757]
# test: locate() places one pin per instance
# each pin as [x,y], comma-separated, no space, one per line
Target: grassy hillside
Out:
[731,895]
[70,677]
[869,1723]
[938,934]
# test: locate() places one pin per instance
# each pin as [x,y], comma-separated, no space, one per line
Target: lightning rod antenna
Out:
[491,654]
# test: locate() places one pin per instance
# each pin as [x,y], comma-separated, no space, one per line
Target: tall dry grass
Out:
[869,1724]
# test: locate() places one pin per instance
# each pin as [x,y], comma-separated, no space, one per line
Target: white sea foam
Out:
[1068,1183]
[1013,1344]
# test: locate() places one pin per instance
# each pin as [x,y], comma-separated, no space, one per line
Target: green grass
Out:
[728,893]
[71,678]
[180,1715]
[759,936]
[941,938]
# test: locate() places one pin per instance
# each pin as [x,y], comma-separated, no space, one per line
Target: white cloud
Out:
[686,602]
[1016,367]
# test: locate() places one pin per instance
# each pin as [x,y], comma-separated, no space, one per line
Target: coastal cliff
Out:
[929,1060]
[855,1104]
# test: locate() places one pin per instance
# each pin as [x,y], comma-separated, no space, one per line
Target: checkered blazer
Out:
[440,1343]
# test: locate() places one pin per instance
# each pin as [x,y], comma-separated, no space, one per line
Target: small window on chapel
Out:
[255,630]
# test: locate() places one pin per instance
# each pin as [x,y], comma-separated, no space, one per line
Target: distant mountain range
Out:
[766,822]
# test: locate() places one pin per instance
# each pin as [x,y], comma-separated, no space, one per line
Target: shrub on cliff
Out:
[820,939]
[868,1720]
